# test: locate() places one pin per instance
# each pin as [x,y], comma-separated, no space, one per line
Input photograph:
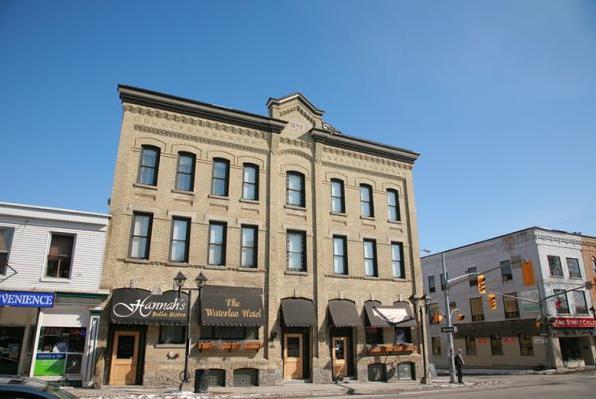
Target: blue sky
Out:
[498,97]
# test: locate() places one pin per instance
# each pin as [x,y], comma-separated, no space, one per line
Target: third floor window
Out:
[506,272]
[295,189]
[393,206]
[250,182]
[221,177]
[554,264]
[573,267]
[366,201]
[148,165]
[476,309]
[185,172]
[337,196]
[5,242]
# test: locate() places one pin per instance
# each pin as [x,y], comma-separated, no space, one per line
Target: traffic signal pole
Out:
[448,315]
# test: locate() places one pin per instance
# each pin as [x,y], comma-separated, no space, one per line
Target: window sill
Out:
[394,221]
[184,192]
[295,207]
[215,267]
[343,214]
[401,279]
[137,260]
[371,277]
[55,280]
[248,201]
[295,273]
[248,269]
[177,264]
[341,275]
[169,346]
[219,197]
[371,218]
[148,187]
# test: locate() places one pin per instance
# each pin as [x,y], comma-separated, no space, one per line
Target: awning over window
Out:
[137,306]
[343,313]
[232,306]
[400,315]
[297,312]
[372,318]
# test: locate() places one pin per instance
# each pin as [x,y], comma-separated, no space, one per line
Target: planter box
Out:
[205,346]
[256,345]
[375,350]
[228,346]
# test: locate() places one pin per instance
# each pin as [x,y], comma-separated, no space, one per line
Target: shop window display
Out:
[60,351]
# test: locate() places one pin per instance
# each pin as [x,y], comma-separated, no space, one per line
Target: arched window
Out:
[295,189]
[250,182]
[148,165]
[185,171]
[221,177]
[337,196]
[393,213]
[367,208]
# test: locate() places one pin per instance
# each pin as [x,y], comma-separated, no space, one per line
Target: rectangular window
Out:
[185,173]
[561,304]
[473,279]
[496,345]
[431,284]
[180,239]
[217,243]
[370,258]
[366,201]
[229,332]
[436,344]
[340,255]
[374,336]
[397,263]
[295,189]
[393,213]
[250,182]
[403,335]
[452,305]
[148,165]
[141,235]
[171,334]
[5,244]
[511,306]
[573,267]
[526,347]
[476,309]
[470,346]
[60,256]
[579,302]
[337,196]
[221,177]
[296,250]
[249,246]
[554,264]
[506,272]
[433,313]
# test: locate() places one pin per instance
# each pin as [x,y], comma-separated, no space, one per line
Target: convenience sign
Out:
[27,299]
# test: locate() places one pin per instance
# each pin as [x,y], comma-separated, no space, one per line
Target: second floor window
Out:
[296,251]
[561,304]
[370,258]
[393,206]
[579,302]
[185,172]
[431,284]
[337,196]
[180,239]
[141,235]
[249,246]
[250,182]
[221,177]
[473,279]
[573,267]
[295,189]
[554,264]
[506,272]
[340,256]
[476,309]
[5,243]
[511,306]
[60,256]
[366,201]
[149,165]
[434,313]
[397,260]
[217,243]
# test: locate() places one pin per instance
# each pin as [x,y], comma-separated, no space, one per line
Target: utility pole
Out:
[448,315]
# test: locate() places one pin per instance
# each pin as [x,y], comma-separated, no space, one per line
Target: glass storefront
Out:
[60,351]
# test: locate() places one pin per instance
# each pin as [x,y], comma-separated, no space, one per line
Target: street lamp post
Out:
[200,281]
[423,300]
[448,315]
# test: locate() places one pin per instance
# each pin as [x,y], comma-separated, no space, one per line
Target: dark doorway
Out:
[11,339]
[570,349]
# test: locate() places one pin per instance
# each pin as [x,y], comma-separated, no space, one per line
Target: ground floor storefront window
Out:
[526,345]
[60,351]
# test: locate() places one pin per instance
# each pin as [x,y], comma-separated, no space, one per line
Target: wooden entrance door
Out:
[339,356]
[125,356]
[293,357]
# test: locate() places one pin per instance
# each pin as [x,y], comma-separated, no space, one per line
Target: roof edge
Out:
[278,101]
[54,210]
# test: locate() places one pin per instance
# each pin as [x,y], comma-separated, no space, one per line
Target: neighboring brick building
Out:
[588,250]
[295,225]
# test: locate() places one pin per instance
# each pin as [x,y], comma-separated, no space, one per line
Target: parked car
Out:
[30,388]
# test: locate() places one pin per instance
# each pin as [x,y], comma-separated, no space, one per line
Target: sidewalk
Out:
[290,390]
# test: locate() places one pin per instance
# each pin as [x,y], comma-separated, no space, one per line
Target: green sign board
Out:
[49,364]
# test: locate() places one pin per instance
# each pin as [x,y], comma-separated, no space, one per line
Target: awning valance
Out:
[232,306]
[343,313]
[400,315]
[297,312]
[138,306]
[372,318]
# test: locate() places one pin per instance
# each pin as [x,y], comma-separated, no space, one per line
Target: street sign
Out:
[452,329]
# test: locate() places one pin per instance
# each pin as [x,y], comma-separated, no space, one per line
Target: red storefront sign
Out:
[574,322]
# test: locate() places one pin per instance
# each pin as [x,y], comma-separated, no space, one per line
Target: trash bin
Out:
[201,380]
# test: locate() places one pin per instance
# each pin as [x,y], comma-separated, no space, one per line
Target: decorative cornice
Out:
[299,96]
[366,146]
[559,239]
[190,137]
[370,172]
[301,111]
[166,102]
[368,158]
[295,143]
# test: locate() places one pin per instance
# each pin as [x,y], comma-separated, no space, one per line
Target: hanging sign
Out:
[137,306]
[27,299]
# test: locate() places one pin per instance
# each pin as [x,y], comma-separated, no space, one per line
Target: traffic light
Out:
[481,284]
[437,318]
[528,273]
[460,317]
[492,301]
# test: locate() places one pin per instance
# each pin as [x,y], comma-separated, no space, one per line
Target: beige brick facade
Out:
[291,138]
